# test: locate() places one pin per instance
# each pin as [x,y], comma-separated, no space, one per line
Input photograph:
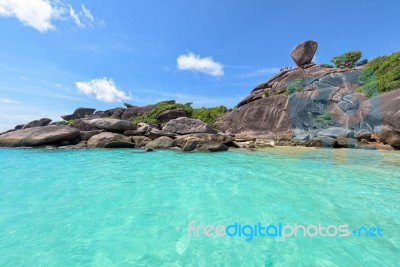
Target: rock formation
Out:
[303,104]
[79,113]
[37,136]
[312,105]
[187,126]
[303,53]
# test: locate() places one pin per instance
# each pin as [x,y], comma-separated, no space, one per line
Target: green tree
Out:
[347,60]
[382,74]
[151,116]
[209,115]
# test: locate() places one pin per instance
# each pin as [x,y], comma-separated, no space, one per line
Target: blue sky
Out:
[59,55]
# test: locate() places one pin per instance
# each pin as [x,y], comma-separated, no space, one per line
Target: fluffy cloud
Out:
[40,14]
[102,89]
[193,62]
[35,13]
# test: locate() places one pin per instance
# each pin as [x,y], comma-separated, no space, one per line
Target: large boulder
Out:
[39,136]
[117,114]
[113,125]
[171,114]
[83,125]
[216,138]
[198,144]
[336,132]
[86,135]
[321,142]
[264,118]
[161,143]
[37,123]
[109,113]
[389,106]
[134,112]
[185,125]
[79,113]
[155,133]
[129,105]
[140,141]
[303,53]
[110,140]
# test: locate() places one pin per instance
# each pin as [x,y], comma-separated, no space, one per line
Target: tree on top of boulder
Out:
[347,60]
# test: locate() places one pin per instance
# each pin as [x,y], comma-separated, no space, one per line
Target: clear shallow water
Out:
[128,208]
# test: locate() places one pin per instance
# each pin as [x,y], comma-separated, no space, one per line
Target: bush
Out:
[70,122]
[294,86]
[347,60]
[151,116]
[266,93]
[381,75]
[323,120]
[209,115]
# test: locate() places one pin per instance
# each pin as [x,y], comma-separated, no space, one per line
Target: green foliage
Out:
[381,75]
[266,93]
[61,122]
[151,116]
[66,122]
[347,60]
[209,115]
[327,66]
[294,86]
[369,83]
[323,120]
[72,121]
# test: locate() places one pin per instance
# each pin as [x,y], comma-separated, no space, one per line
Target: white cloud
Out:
[86,13]
[8,101]
[40,14]
[193,62]
[75,17]
[35,13]
[83,18]
[102,89]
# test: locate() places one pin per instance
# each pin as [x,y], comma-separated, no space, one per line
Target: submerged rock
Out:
[321,141]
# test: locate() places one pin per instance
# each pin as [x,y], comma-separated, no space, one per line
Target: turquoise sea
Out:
[125,207]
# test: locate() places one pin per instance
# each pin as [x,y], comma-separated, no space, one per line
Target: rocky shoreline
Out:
[311,105]
[185,134]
